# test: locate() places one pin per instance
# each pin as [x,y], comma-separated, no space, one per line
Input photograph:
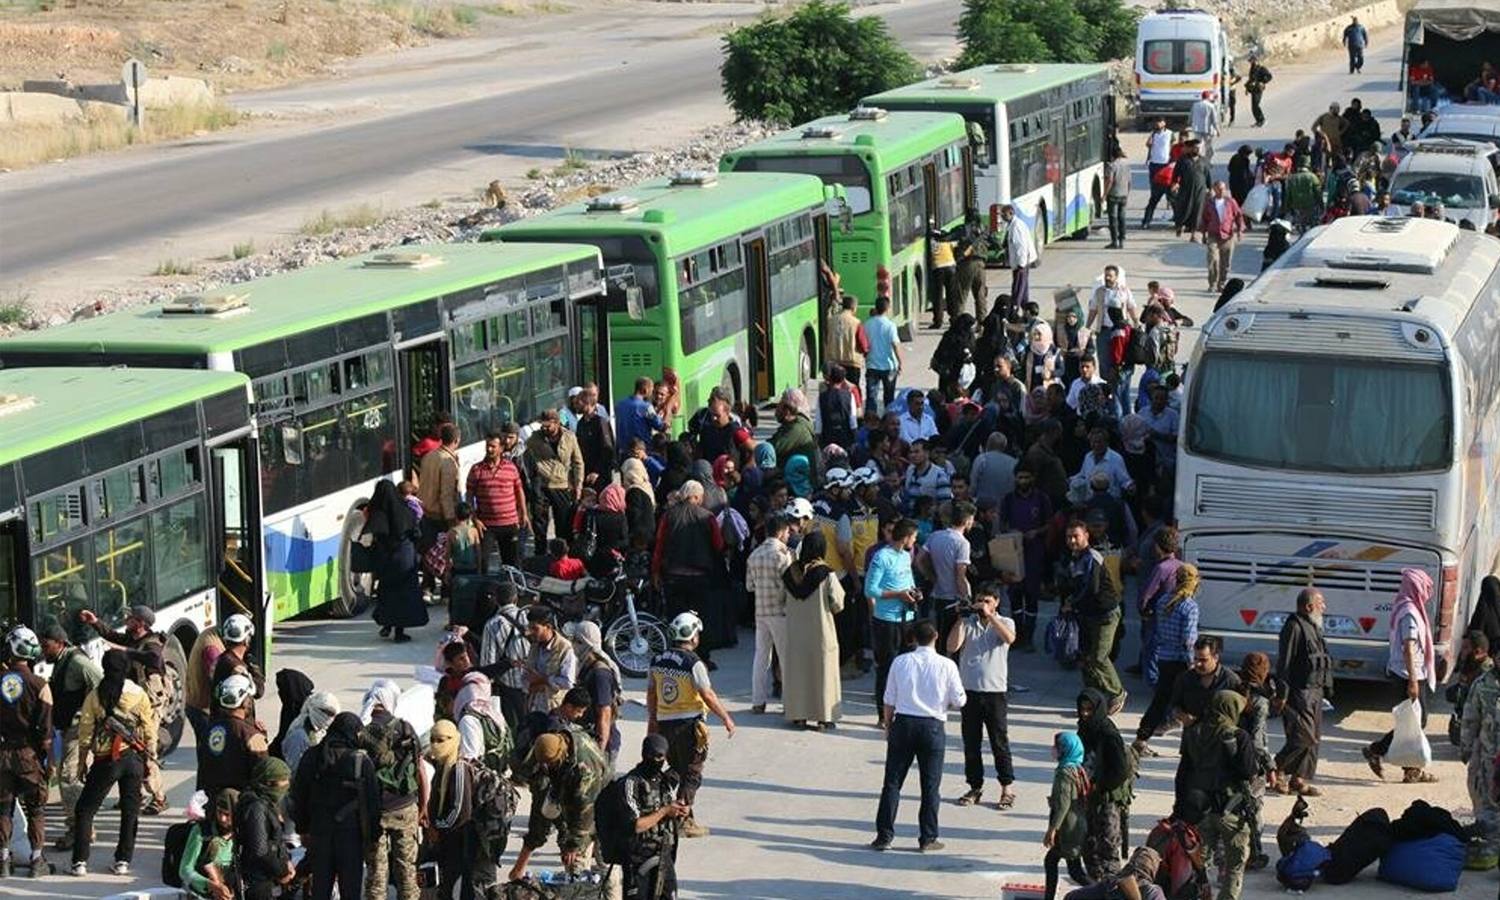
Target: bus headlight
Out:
[1341,625]
[1271,621]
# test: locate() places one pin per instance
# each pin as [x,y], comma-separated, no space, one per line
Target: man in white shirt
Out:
[1102,458]
[1205,123]
[1088,373]
[1158,157]
[917,422]
[924,478]
[921,689]
[1020,255]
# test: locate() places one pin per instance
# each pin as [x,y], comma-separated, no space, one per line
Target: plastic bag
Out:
[1409,747]
[1256,203]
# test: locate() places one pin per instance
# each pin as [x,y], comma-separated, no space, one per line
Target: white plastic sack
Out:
[415,706]
[1256,203]
[1409,747]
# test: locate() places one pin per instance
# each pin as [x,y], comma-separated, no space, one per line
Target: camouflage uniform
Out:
[1479,741]
[400,834]
[572,789]
[25,734]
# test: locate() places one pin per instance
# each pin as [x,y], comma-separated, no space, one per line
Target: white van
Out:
[1458,174]
[1179,54]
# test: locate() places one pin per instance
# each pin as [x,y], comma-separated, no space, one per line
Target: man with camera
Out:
[981,640]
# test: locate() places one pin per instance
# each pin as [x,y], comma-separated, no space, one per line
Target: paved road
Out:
[622,81]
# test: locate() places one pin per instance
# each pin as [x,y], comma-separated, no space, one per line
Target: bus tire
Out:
[169,729]
[356,589]
[805,366]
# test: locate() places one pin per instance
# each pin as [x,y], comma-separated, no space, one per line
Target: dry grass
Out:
[14,312]
[169,267]
[103,128]
[327,221]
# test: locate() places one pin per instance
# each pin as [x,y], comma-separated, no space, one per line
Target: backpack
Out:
[614,823]
[1165,347]
[1061,640]
[1432,864]
[495,801]
[1138,348]
[497,742]
[1299,869]
[172,849]
[393,749]
[586,541]
[1176,842]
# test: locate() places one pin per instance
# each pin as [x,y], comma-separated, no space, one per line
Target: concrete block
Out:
[40,109]
[104,93]
[174,90]
[61,87]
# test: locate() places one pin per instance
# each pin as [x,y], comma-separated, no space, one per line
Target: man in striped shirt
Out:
[498,495]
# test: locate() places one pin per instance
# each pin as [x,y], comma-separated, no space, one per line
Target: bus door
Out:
[929,181]
[762,340]
[236,516]
[827,307]
[423,372]
[1057,193]
[592,350]
[12,571]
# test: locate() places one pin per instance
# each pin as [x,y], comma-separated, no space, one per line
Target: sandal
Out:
[971,798]
[1418,776]
[1306,790]
[1373,760]
[1007,800]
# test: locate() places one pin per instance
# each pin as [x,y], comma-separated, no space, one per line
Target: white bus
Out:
[1342,422]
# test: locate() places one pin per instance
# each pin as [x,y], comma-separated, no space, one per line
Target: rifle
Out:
[123,736]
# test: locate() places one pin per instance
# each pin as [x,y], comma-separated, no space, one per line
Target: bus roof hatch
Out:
[13,403]
[403,260]
[1382,244]
[959,84]
[868,114]
[211,304]
[819,133]
[695,178]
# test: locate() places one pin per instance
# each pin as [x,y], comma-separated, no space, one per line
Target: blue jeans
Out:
[885,380]
[912,738]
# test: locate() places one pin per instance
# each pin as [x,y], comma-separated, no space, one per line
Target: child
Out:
[408,492]
[924,510]
[463,542]
[564,563]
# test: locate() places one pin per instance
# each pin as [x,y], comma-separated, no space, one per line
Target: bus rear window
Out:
[842,170]
[633,251]
[1176,57]
[1321,414]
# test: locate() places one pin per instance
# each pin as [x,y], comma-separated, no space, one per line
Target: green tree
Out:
[818,61]
[1021,31]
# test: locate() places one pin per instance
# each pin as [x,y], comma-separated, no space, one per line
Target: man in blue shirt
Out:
[1356,38]
[890,586]
[883,361]
[635,417]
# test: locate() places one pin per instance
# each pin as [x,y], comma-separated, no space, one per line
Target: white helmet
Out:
[235,690]
[839,477]
[798,508]
[237,629]
[685,626]
[23,644]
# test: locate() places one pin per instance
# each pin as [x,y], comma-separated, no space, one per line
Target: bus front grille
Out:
[1326,574]
[1285,503]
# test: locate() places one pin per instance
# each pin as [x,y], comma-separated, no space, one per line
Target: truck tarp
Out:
[1456,20]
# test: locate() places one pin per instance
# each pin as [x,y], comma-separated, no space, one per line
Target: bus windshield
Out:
[633,251]
[1321,414]
[842,170]
[1449,189]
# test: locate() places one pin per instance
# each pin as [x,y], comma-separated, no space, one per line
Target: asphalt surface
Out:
[623,81]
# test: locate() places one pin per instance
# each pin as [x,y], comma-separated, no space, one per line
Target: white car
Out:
[1458,174]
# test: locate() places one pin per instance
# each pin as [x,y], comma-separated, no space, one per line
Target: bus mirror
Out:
[291,445]
[635,303]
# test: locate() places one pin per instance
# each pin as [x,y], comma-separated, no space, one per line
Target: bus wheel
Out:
[356,588]
[730,383]
[174,670]
[805,373]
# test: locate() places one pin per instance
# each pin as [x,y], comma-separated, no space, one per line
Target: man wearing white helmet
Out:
[237,632]
[678,696]
[25,738]
[233,740]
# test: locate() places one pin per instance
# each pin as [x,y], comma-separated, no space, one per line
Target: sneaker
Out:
[79,870]
[930,846]
[880,843]
[65,842]
[692,828]
[1118,703]
[121,867]
[40,868]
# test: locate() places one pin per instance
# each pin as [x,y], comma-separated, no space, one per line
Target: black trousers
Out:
[1160,709]
[1157,193]
[502,540]
[550,504]
[1255,110]
[1075,871]
[889,639]
[1302,721]
[696,593]
[337,855]
[129,772]
[984,715]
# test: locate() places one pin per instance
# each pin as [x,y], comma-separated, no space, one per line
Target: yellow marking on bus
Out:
[1176,85]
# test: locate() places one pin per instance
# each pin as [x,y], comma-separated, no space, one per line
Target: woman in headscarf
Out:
[206,868]
[391,532]
[810,688]
[679,471]
[765,457]
[293,688]
[1039,364]
[954,350]
[798,474]
[610,521]
[1486,617]
[118,698]
[640,502]
[714,498]
[336,803]
[1067,819]
[260,830]
[1110,777]
[309,727]
[1218,762]
[1411,667]
[1176,611]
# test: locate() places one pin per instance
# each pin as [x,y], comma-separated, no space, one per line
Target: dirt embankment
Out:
[233,44]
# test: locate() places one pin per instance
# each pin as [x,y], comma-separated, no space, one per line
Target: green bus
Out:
[715,277]
[121,488]
[1044,128]
[899,172]
[350,362]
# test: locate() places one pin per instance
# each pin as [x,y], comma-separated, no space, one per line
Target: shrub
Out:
[1021,31]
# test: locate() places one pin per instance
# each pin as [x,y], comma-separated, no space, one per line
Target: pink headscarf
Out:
[1416,590]
[720,465]
[612,499]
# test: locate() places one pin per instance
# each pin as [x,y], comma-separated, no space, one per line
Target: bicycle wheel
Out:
[633,646]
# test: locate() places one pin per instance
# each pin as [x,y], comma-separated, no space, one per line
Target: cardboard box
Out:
[1008,554]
